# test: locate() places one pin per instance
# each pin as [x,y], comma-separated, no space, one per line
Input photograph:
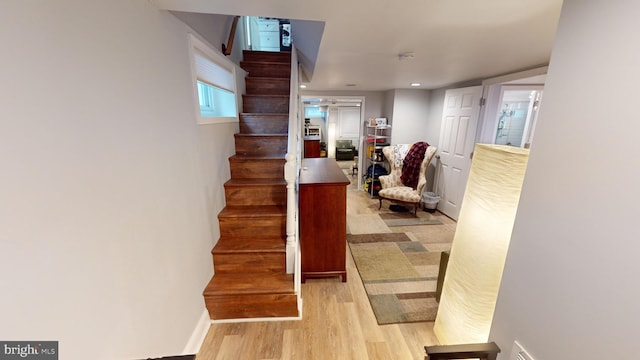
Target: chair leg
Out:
[380,207]
[415,210]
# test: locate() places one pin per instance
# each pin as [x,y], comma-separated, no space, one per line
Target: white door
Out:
[349,123]
[457,139]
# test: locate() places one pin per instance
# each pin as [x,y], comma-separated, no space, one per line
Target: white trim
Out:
[516,76]
[244,320]
[250,320]
[216,120]
[199,333]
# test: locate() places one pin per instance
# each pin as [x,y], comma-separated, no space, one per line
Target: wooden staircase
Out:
[250,279]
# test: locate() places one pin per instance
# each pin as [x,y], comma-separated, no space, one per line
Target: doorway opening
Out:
[337,121]
[517,115]
[333,118]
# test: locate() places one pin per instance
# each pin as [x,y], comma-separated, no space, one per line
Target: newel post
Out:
[290,177]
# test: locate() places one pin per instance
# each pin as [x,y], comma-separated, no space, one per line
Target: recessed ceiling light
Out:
[303,86]
[416,84]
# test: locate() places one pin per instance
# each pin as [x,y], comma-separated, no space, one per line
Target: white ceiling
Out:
[452,41]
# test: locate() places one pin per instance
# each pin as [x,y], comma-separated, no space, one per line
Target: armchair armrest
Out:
[385,181]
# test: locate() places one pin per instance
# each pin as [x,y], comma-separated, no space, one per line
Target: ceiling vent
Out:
[406,56]
[519,353]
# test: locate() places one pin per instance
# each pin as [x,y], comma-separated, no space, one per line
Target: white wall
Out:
[434,115]
[213,27]
[387,106]
[104,224]
[569,289]
[410,122]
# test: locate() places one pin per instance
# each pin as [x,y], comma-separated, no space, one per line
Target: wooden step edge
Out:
[264,115]
[262,62]
[225,251]
[271,96]
[266,78]
[256,182]
[250,284]
[253,211]
[258,52]
[244,245]
[283,53]
[272,157]
[252,135]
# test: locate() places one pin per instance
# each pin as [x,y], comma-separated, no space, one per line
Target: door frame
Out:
[344,100]
[492,88]
[487,119]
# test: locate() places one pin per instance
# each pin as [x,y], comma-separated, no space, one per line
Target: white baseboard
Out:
[200,332]
[198,335]
[246,320]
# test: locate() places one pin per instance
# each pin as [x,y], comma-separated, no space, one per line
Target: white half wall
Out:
[106,208]
[569,288]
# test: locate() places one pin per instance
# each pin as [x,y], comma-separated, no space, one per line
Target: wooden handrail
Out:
[226,49]
[484,351]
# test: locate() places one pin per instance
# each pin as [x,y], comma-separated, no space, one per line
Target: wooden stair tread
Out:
[249,245]
[273,96]
[265,78]
[267,56]
[253,211]
[257,157]
[250,283]
[261,135]
[255,182]
[273,63]
[264,114]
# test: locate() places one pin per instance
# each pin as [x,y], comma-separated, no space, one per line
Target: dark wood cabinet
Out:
[323,218]
[312,146]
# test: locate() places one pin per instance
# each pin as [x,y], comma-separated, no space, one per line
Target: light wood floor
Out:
[337,320]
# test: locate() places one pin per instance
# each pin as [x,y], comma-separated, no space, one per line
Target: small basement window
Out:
[214,83]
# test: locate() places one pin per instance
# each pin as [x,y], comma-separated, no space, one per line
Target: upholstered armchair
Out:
[392,187]
[345,150]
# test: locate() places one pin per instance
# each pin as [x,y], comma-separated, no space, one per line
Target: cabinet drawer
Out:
[269,25]
[270,39]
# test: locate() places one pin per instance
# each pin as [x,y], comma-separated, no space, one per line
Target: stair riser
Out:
[249,262]
[257,169]
[255,195]
[265,104]
[261,146]
[267,86]
[253,227]
[251,306]
[255,124]
[266,56]
[266,69]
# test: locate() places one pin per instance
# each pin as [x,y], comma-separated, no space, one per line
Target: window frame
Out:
[195,44]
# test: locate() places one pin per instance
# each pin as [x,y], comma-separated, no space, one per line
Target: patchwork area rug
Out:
[399,276]
[407,219]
